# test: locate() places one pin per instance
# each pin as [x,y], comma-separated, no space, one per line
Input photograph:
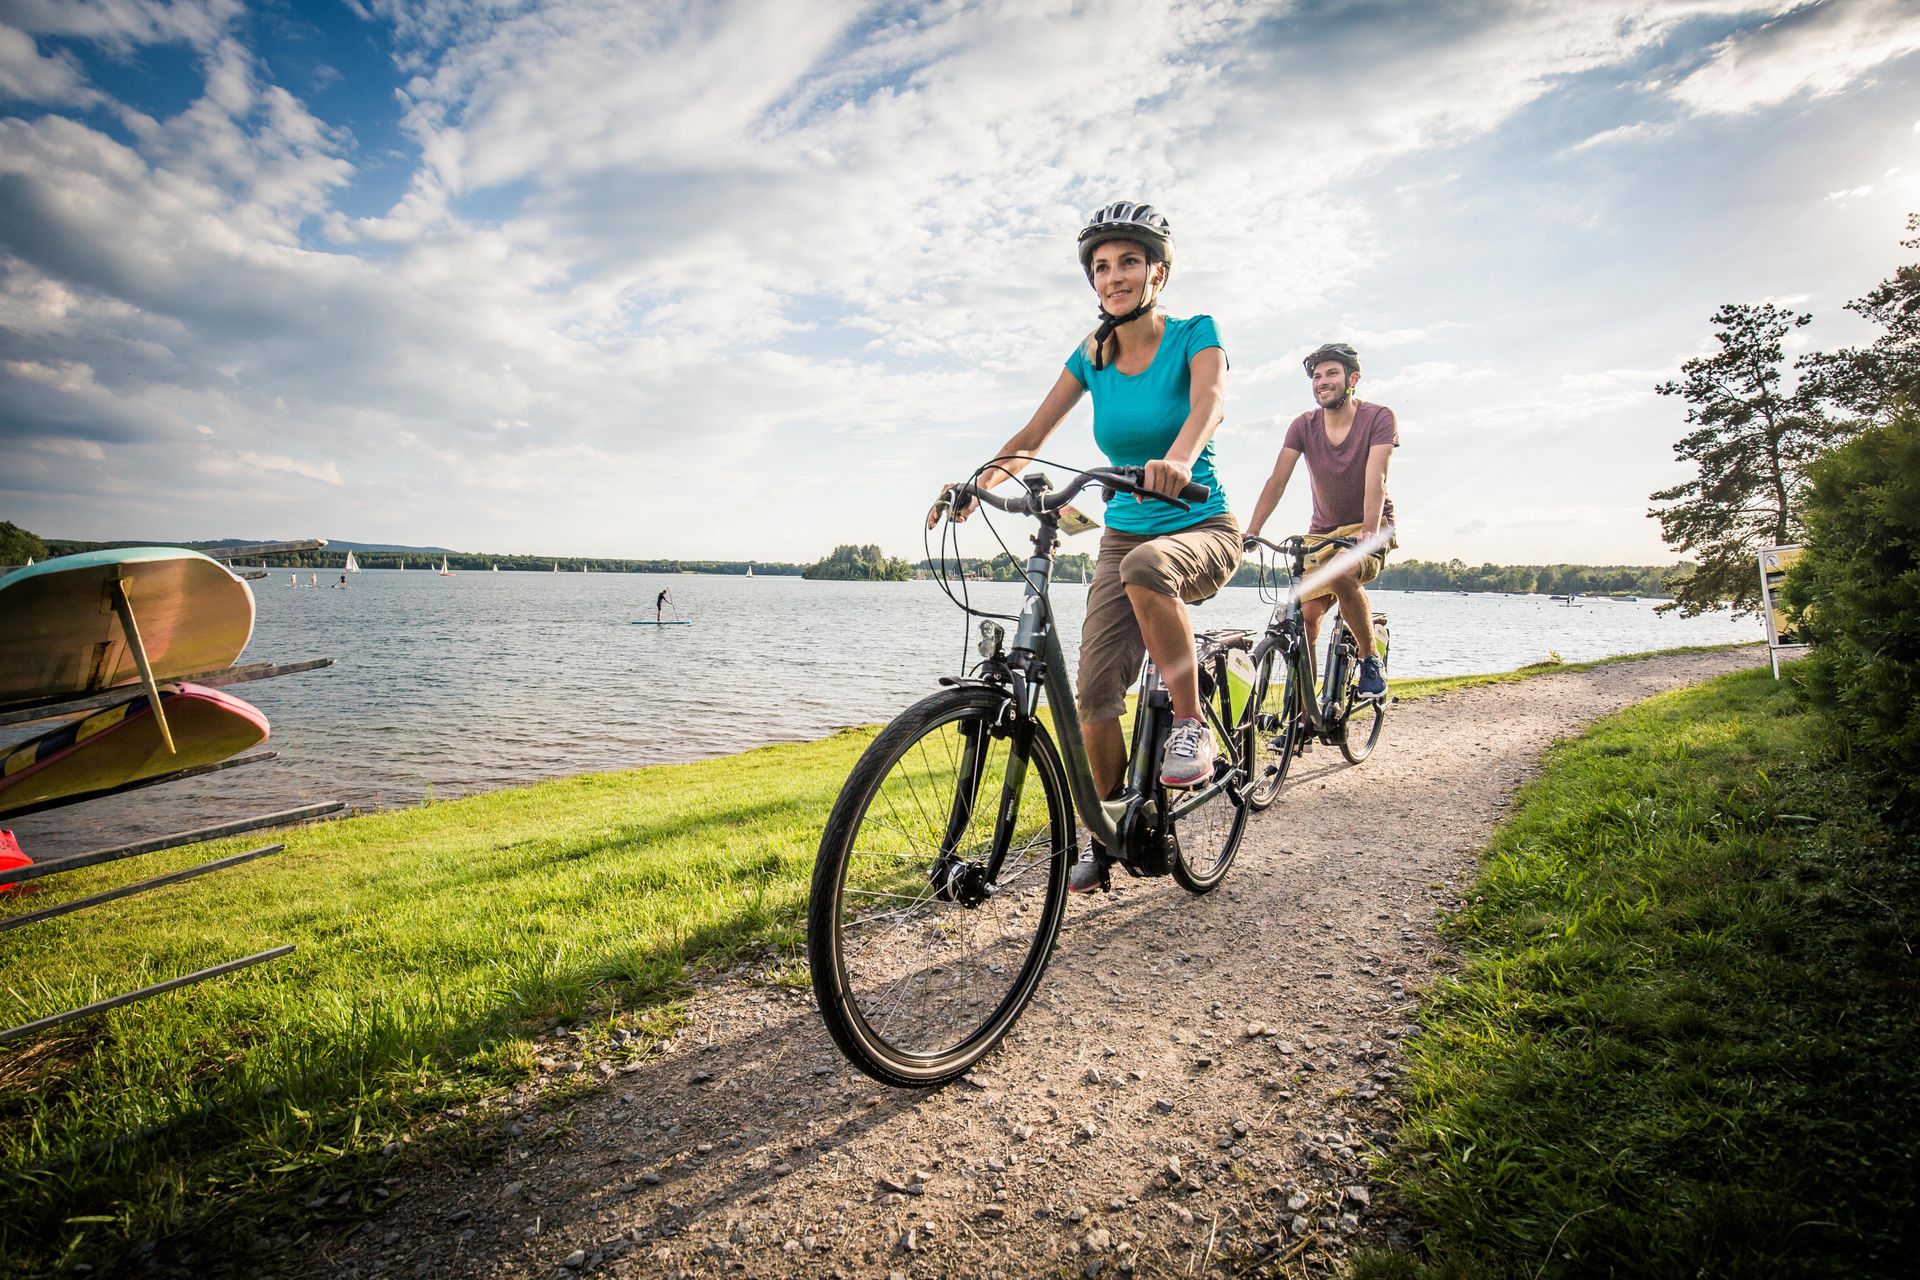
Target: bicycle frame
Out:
[1287,631]
[1036,644]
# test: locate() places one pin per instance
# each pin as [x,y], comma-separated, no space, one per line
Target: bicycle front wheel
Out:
[1207,835]
[920,964]
[1275,722]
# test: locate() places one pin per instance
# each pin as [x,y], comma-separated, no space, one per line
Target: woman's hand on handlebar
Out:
[1167,477]
[945,499]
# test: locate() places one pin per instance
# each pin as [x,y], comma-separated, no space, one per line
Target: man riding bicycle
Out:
[1347,445]
[1157,399]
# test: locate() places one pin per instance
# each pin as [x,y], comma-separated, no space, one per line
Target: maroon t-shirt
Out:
[1339,475]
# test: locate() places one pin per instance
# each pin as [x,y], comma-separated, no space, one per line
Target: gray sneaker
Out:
[1188,758]
[1089,869]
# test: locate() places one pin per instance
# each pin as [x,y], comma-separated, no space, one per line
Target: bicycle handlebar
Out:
[1113,479]
[1297,544]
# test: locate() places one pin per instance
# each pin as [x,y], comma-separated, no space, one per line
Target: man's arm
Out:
[1377,458]
[1276,486]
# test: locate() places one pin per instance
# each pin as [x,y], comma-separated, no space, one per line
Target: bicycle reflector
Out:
[991,635]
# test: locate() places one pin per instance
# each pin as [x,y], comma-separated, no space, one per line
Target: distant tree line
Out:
[17,546]
[1004,568]
[460,562]
[1533,579]
[848,563]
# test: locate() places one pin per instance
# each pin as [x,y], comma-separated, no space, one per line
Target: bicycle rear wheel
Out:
[1207,835]
[1275,720]
[918,964]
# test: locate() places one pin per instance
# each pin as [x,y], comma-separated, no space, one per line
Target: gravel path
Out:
[1191,1093]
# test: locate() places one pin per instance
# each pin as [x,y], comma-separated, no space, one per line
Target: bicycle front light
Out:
[991,636]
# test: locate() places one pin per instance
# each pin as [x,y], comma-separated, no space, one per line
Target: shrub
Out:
[1857,591]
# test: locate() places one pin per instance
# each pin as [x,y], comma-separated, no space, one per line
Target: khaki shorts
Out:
[1369,567]
[1192,564]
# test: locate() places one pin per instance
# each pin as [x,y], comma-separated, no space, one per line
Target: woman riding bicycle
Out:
[1157,399]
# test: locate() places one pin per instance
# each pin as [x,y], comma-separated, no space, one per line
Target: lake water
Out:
[448,686]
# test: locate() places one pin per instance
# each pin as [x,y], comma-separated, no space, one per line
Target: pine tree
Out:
[1751,443]
[1867,383]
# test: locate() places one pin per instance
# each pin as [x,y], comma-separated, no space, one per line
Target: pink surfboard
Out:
[122,744]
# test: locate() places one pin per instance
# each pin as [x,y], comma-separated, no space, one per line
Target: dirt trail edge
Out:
[1189,1095]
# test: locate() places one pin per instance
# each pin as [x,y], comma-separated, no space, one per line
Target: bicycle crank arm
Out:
[1197,798]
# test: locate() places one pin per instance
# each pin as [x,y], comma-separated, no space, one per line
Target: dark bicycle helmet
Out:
[1340,351]
[1125,220]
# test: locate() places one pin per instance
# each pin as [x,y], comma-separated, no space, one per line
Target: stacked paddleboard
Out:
[117,660]
[63,636]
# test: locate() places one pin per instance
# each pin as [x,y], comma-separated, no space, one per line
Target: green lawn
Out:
[1683,1040]
[432,943]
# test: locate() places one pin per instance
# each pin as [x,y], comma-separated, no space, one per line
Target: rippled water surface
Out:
[445,686]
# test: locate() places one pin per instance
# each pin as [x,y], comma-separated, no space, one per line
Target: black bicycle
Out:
[1294,710]
[941,880]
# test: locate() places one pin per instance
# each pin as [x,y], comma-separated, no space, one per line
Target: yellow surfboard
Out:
[64,623]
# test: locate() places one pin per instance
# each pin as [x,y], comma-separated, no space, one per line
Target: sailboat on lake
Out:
[444,571]
[352,565]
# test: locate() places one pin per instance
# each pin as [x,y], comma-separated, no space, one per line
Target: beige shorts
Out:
[1369,567]
[1192,564]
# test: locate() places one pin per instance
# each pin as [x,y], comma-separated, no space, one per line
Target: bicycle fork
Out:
[958,879]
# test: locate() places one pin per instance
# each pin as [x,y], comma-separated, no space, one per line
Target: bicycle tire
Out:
[1207,838]
[1276,732]
[1372,712]
[915,994]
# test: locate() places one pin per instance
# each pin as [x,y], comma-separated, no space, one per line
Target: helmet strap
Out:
[1109,322]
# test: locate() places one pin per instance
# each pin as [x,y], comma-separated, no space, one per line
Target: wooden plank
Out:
[262,549]
[97,856]
[144,993]
[54,708]
[127,891]
[123,605]
[176,776]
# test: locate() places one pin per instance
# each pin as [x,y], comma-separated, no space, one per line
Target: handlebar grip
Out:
[1195,492]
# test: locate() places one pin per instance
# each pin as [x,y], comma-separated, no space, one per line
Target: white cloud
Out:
[85,450]
[28,76]
[1817,49]
[325,473]
[1624,133]
[122,26]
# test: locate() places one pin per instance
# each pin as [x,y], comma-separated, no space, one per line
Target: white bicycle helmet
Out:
[1126,220]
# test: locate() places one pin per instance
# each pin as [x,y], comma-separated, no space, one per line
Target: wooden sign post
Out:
[1781,633]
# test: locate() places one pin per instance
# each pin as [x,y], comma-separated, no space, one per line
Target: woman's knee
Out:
[1148,568]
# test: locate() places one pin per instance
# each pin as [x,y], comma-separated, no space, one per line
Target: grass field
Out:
[1683,1040]
[432,945]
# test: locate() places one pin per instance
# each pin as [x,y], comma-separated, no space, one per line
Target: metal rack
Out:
[29,711]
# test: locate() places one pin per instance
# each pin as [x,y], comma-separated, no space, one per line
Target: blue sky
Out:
[748,279]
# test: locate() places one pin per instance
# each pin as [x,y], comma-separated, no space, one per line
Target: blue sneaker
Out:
[1373,681]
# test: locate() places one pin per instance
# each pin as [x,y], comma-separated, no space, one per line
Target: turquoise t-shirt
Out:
[1137,417]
